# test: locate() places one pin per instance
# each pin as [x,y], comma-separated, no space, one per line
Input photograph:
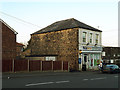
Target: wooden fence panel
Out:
[20,65]
[57,65]
[65,65]
[46,65]
[7,65]
[34,65]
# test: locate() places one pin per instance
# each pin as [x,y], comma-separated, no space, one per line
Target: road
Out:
[60,80]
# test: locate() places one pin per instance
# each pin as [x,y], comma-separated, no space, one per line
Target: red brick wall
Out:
[8,43]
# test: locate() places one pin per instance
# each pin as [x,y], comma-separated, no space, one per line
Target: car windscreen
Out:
[112,66]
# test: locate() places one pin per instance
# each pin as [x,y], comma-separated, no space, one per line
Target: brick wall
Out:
[63,43]
[8,43]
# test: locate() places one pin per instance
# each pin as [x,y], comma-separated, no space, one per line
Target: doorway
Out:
[84,62]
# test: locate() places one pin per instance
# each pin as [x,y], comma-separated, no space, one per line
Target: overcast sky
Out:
[41,13]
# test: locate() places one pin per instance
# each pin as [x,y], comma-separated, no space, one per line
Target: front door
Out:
[84,62]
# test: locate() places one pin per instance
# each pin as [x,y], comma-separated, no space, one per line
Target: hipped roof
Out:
[66,24]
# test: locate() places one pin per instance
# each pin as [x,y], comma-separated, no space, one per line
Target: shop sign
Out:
[92,48]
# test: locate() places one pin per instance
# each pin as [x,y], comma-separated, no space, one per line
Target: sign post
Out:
[79,62]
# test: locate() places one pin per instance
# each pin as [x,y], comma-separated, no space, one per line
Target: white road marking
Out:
[98,78]
[46,83]
[116,76]
[62,81]
[39,83]
[85,79]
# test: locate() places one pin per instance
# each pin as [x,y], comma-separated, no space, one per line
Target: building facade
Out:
[8,41]
[68,40]
[90,48]
[112,54]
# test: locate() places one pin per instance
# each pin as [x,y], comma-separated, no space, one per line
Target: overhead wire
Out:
[19,19]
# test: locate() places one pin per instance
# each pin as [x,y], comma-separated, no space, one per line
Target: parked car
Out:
[112,68]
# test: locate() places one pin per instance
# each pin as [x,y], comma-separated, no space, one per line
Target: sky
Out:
[29,16]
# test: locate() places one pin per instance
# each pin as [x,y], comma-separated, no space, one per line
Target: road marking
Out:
[46,83]
[62,81]
[116,76]
[39,83]
[95,78]
[85,79]
[98,78]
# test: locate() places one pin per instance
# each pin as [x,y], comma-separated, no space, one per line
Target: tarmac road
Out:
[60,80]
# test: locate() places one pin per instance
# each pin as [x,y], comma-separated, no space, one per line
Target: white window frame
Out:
[85,36]
[90,37]
[97,38]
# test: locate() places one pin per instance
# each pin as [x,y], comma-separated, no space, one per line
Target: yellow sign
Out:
[80,51]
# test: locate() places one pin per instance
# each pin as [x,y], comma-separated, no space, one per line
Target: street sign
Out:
[79,61]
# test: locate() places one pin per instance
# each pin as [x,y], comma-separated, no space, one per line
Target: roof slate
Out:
[66,24]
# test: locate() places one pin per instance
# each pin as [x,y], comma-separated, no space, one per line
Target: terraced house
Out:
[68,40]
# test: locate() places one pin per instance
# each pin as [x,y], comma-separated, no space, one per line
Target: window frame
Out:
[84,37]
[96,38]
[90,38]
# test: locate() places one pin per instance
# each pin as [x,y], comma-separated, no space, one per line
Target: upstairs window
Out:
[91,36]
[97,38]
[50,58]
[84,36]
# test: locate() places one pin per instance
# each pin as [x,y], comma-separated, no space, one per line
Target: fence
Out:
[33,65]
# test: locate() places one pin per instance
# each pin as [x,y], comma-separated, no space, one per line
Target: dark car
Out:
[111,68]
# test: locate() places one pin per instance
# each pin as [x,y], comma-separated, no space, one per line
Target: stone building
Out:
[68,40]
[8,41]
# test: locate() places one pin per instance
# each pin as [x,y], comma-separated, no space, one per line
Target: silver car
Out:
[111,69]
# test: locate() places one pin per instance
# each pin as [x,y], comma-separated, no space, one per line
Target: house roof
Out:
[66,24]
[8,26]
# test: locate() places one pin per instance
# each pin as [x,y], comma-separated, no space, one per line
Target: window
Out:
[97,37]
[50,58]
[91,35]
[84,36]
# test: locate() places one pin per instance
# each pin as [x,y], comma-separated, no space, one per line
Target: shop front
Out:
[90,57]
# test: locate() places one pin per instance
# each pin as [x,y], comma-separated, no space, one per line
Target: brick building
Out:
[19,49]
[8,41]
[68,40]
